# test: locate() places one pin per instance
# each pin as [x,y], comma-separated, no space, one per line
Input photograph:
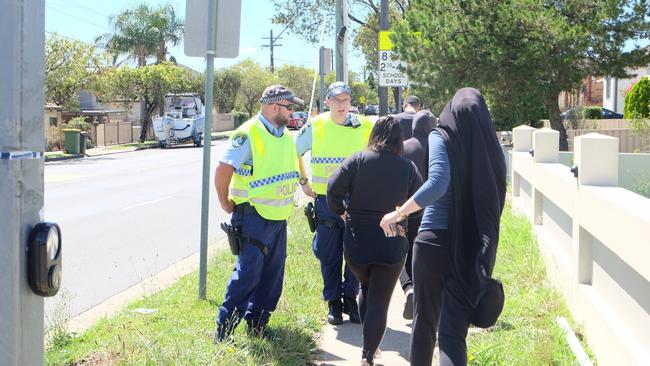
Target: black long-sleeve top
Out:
[375,183]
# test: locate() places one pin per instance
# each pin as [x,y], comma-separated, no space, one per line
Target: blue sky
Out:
[84,20]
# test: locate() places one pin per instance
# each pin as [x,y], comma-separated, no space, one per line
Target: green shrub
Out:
[240,117]
[637,101]
[592,112]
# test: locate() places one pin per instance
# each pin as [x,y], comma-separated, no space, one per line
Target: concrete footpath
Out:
[341,345]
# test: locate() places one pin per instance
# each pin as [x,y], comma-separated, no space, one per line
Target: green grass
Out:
[180,331]
[137,145]
[221,135]
[54,154]
[526,332]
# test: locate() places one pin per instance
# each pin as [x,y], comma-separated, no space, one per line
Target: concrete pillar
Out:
[22,142]
[546,145]
[596,157]
[522,141]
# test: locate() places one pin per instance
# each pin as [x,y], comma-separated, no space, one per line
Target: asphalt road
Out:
[125,217]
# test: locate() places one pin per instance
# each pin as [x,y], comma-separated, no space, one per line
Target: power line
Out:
[77,18]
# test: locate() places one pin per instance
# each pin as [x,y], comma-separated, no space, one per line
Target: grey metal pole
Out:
[22,141]
[341,35]
[321,71]
[398,101]
[383,91]
[207,145]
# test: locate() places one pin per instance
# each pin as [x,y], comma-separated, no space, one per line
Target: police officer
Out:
[256,180]
[332,136]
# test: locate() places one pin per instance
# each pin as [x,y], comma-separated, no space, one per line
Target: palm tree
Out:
[142,32]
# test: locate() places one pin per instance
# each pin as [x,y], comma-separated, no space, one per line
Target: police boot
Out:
[223,331]
[335,315]
[351,308]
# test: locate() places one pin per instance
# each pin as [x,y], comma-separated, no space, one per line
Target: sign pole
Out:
[207,145]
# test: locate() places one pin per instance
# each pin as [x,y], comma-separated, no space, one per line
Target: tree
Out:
[142,32]
[227,83]
[520,50]
[70,66]
[147,83]
[253,82]
[637,100]
[298,79]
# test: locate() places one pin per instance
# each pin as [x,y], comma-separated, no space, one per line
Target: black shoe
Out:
[335,315]
[224,330]
[408,305]
[256,328]
[351,308]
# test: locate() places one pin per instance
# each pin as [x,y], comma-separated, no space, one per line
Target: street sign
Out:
[227,26]
[390,70]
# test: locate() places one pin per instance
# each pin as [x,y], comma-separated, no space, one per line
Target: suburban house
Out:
[615,88]
[590,93]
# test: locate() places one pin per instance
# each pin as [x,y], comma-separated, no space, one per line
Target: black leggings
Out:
[406,276]
[377,282]
[439,305]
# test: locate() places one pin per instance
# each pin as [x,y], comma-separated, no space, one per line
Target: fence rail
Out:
[594,235]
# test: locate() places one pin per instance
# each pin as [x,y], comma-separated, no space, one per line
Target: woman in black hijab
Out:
[452,266]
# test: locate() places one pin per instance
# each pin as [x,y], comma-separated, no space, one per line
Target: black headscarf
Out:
[478,176]
[423,123]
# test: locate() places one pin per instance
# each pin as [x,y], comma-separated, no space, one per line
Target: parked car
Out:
[605,114]
[371,110]
[295,121]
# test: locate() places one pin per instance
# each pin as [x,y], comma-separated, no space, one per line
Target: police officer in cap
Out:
[255,180]
[332,136]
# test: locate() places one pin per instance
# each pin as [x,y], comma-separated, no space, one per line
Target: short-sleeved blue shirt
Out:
[239,152]
[304,138]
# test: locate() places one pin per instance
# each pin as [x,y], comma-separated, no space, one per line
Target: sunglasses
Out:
[289,107]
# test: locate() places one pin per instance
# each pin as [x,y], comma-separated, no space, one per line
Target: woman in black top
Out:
[374,182]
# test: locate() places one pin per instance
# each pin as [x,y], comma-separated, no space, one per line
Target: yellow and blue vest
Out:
[333,143]
[270,184]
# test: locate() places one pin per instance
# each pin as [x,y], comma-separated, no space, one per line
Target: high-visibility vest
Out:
[331,144]
[270,184]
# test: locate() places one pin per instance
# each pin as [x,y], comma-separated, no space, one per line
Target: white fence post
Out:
[596,158]
[522,141]
[546,147]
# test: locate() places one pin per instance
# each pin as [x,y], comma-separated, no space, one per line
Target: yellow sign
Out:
[362,99]
[385,43]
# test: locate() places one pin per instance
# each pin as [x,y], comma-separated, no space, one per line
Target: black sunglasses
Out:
[289,107]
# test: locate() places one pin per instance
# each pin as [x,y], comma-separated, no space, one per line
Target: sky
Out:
[86,19]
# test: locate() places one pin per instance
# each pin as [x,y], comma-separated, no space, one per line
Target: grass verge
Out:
[137,145]
[179,331]
[526,332]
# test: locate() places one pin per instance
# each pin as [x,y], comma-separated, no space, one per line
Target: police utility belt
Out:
[314,220]
[237,239]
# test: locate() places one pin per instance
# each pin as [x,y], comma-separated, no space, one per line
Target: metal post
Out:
[207,145]
[321,71]
[341,35]
[272,68]
[383,91]
[22,141]
[398,100]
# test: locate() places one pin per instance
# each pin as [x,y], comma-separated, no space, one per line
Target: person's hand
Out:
[306,189]
[344,216]
[228,206]
[388,219]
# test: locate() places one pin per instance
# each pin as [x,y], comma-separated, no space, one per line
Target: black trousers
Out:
[406,276]
[377,282]
[439,305]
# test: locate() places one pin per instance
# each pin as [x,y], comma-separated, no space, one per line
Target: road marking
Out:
[146,203]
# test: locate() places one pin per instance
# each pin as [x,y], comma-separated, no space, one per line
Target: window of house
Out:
[54,121]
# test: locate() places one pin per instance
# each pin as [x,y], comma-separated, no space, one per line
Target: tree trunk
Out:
[146,118]
[553,109]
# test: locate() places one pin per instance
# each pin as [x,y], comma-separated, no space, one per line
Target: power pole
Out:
[341,41]
[272,44]
[383,91]
[22,143]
